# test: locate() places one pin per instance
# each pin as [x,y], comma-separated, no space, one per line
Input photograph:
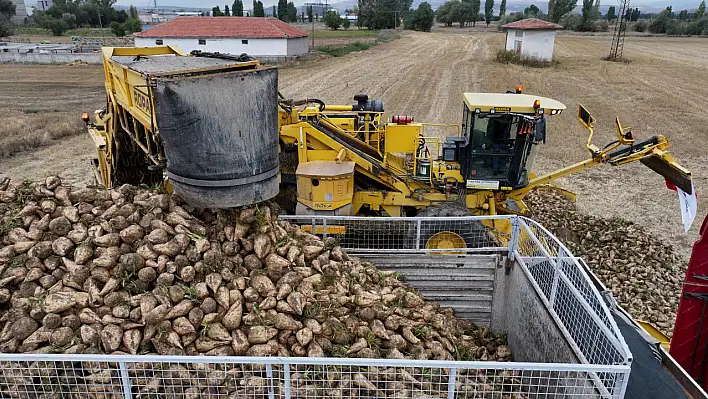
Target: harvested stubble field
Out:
[424,75]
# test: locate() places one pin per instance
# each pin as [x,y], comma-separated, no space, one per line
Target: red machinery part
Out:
[689,344]
[402,119]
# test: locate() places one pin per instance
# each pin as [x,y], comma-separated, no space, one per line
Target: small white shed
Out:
[259,37]
[531,37]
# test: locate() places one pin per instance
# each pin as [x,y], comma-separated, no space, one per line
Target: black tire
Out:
[287,198]
[474,233]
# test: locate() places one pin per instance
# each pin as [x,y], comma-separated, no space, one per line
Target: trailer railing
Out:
[561,284]
[560,281]
[128,377]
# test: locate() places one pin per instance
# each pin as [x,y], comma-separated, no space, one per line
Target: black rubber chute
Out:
[220,133]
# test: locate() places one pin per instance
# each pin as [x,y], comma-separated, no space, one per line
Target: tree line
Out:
[285,11]
[70,14]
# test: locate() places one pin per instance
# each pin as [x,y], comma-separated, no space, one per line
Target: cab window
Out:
[493,140]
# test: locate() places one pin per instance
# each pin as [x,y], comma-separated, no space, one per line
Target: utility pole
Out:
[313,33]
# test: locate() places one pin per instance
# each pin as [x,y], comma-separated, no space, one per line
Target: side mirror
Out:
[585,118]
[624,135]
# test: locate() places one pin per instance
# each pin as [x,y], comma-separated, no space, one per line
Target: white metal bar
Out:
[125,381]
[327,361]
[536,241]
[324,228]
[417,235]
[271,383]
[425,250]
[451,383]
[554,284]
[286,380]
[514,239]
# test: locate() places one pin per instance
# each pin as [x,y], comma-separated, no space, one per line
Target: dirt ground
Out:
[659,92]
[40,104]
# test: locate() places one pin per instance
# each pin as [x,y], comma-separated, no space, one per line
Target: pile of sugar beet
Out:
[137,271]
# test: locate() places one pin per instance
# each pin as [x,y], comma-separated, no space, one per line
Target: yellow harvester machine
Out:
[217,128]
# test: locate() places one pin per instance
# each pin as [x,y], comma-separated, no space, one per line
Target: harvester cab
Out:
[501,134]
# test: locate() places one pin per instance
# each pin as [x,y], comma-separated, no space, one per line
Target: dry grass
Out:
[41,104]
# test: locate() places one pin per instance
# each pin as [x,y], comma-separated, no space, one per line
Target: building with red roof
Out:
[531,37]
[265,37]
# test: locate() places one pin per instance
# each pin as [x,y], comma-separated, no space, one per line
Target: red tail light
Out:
[402,119]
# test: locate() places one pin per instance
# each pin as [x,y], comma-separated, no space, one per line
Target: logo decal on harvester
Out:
[502,109]
[483,184]
[141,101]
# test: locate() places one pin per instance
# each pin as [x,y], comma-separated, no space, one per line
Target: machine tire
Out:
[474,234]
[287,197]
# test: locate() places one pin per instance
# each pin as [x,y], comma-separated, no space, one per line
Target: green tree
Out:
[346,23]
[382,14]
[332,20]
[445,13]
[531,11]
[558,8]
[596,10]
[488,11]
[7,11]
[309,14]
[683,15]
[611,13]
[133,25]
[588,10]
[216,12]
[227,13]
[70,20]
[587,22]
[56,26]
[275,12]
[502,8]
[475,11]
[118,29]
[423,17]
[700,11]
[292,12]
[282,10]
[235,11]
[660,24]
[133,12]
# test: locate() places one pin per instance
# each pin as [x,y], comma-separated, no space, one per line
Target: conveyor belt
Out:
[649,378]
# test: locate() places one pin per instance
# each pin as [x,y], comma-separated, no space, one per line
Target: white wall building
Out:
[44,5]
[20,12]
[267,37]
[531,37]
